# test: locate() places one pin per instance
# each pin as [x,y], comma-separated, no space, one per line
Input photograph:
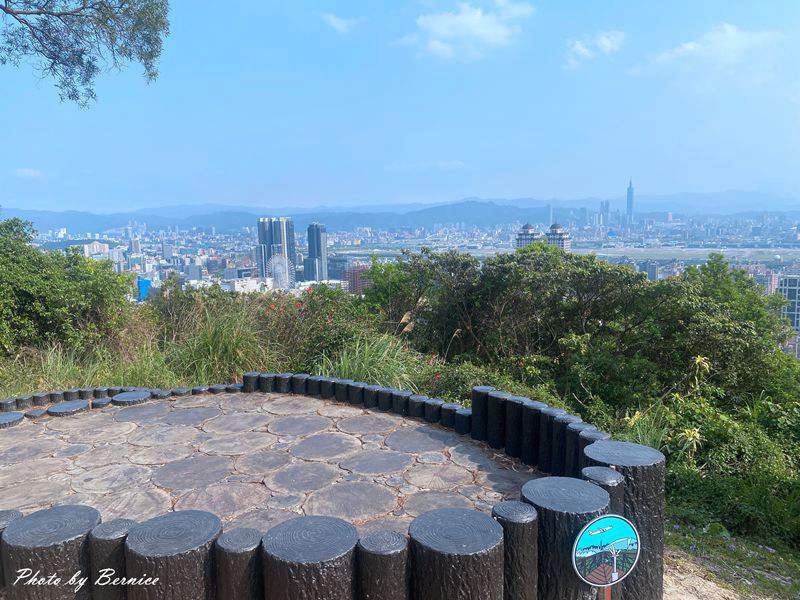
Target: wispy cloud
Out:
[724,45]
[470,30]
[28,173]
[589,48]
[339,24]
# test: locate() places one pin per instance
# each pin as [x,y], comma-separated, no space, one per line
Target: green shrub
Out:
[378,359]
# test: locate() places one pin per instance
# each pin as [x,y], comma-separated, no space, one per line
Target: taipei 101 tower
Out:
[629,212]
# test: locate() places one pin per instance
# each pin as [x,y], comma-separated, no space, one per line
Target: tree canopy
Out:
[70,40]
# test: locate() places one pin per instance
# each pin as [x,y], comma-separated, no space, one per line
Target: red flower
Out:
[309,288]
[437,376]
[298,305]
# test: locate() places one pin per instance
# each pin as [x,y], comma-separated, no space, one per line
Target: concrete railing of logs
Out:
[521,552]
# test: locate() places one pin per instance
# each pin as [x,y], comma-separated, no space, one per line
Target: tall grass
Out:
[219,346]
[380,359]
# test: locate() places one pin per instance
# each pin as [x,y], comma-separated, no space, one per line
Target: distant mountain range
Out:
[470,212]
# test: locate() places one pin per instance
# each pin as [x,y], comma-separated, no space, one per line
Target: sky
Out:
[309,103]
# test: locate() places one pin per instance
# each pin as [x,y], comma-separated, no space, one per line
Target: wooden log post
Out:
[644,470]
[496,418]
[586,438]
[178,549]
[558,447]
[383,572]
[340,389]
[572,447]
[9,419]
[41,399]
[199,389]
[327,388]
[107,559]
[611,481]
[355,392]
[520,523]
[299,383]
[250,382]
[565,505]
[479,411]
[515,406]
[266,382]
[71,394]
[433,410]
[312,386]
[310,558]
[371,395]
[131,398]
[448,416]
[283,383]
[386,399]
[6,518]
[456,554]
[546,418]
[181,391]
[50,541]
[416,406]
[463,421]
[531,413]
[24,402]
[69,408]
[238,565]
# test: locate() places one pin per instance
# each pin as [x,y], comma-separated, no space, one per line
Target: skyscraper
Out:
[315,267]
[276,255]
[629,211]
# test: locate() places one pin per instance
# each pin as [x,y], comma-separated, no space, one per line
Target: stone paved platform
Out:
[254,460]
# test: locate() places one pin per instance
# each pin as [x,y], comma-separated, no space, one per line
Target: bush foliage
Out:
[690,365]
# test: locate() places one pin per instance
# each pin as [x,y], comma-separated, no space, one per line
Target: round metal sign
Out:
[606,551]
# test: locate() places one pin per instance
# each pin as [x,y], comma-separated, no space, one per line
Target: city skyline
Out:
[312,104]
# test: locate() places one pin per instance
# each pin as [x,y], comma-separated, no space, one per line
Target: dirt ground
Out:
[685,580]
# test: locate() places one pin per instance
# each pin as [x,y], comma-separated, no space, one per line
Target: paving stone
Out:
[195,471]
[38,493]
[29,448]
[377,462]
[159,455]
[421,502]
[262,462]
[163,435]
[354,501]
[143,413]
[471,456]
[286,501]
[325,446]
[417,439]
[195,401]
[236,423]
[104,454]
[72,450]
[240,403]
[399,524]
[226,500]
[433,458]
[110,478]
[438,477]
[107,433]
[299,425]
[90,421]
[261,519]
[138,505]
[190,416]
[337,411]
[28,470]
[366,424]
[302,477]
[292,405]
[236,444]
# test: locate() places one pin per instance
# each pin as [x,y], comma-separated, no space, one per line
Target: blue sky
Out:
[307,103]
